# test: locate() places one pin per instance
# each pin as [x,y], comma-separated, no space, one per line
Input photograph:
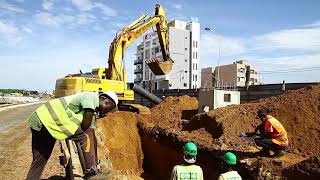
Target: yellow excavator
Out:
[114,77]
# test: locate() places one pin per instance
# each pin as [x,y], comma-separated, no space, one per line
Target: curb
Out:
[19,105]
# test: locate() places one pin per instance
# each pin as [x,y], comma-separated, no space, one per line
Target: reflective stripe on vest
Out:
[191,172]
[59,120]
[233,175]
[279,136]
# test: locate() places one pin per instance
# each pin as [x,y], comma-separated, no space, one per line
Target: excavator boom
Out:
[132,32]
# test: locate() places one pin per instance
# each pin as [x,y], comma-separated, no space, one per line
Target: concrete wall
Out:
[179,51]
[207,77]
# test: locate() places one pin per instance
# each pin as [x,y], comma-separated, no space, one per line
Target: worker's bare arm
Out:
[87,119]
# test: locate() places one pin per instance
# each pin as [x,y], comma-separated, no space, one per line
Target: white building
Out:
[184,47]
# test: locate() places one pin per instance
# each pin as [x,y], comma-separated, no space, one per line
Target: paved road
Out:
[12,117]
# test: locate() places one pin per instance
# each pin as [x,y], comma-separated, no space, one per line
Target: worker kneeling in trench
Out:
[188,170]
[71,117]
[272,135]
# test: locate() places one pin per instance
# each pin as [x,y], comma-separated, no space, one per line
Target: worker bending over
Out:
[272,135]
[188,171]
[71,117]
[229,161]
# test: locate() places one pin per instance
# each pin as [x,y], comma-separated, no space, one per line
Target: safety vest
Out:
[189,172]
[59,120]
[279,134]
[232,175]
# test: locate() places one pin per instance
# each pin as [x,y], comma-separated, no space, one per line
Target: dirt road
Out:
[15,145]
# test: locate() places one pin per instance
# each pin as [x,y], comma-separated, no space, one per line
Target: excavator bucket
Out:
[159,66]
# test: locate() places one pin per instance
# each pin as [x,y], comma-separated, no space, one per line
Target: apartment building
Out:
[184,46]
[235,74]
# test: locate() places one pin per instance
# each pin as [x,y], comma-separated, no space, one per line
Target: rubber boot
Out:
[263,153]
[278,153]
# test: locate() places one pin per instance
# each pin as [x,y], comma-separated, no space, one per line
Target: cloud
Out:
[51,20]
[88,5]
[10,7]
[82,5]
[228,45]
[289,62]
[47,4]
[299,38]
[108,11]
[85,18]
[9,33]
[177,6]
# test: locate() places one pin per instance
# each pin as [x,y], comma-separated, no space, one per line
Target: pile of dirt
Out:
[171,112]
[297,110]
[218,131]
[308,168]
[119,144]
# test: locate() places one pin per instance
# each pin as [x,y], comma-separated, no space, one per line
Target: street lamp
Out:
[220,37]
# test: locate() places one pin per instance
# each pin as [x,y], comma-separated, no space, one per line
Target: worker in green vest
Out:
[229,161]
[71,117]
[188,171]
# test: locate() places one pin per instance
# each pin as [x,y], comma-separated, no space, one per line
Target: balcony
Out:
[138,79]
[138,61]
[136,71]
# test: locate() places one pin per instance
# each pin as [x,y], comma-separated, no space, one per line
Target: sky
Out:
[42,40]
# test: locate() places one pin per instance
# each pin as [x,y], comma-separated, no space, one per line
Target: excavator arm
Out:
[132,32]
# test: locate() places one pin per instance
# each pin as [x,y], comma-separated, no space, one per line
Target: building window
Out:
[238,79]
[185,60]
[193,44]
[196,77]
[196,66]
[147,54]
[196,44]
[196,55]
[186,49]
[193,55]
[192,77]
[185,84]
[227,97]
[147,43]
[156,50]
[242,70]
[186,37]
[192,66]
[185,71]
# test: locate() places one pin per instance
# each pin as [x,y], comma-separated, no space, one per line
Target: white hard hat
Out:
[113,96]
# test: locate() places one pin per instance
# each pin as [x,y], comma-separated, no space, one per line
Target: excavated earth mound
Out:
[119,144]
[218,131]
[150,144]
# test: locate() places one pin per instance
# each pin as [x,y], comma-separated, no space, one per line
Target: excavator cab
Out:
[159,66]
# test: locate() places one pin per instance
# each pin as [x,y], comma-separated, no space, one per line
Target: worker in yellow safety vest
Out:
[188,171]
[272,135]
[71,117]
[229,161]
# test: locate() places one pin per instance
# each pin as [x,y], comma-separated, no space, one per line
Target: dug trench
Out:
[148,145]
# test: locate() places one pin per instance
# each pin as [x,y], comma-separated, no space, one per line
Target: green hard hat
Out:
[230,158]
[190,149]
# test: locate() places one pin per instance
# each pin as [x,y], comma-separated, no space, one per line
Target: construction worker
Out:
[272,135]
[188,171]
[71,117]
[229,161]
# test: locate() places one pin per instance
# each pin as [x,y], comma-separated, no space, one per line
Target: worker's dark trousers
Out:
[42,146]
[269,145]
